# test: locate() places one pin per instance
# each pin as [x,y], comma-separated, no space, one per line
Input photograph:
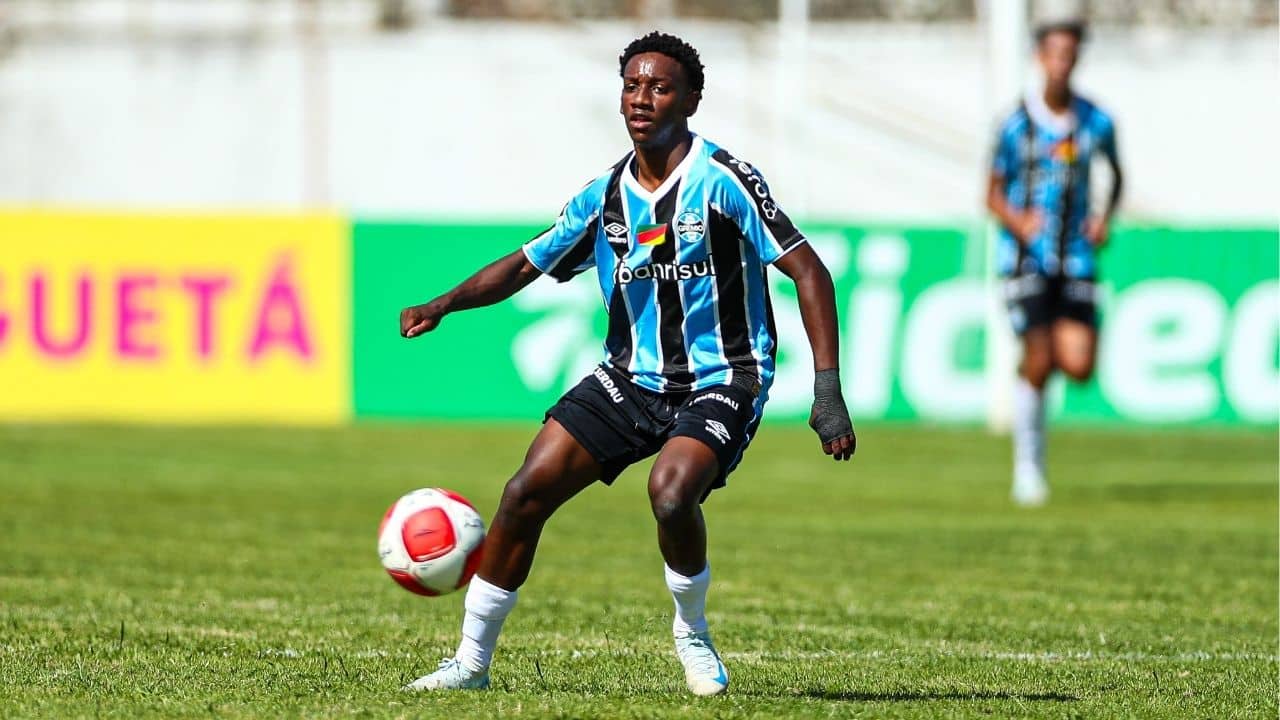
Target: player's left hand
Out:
[1097,231]
[830,416]
[842,448]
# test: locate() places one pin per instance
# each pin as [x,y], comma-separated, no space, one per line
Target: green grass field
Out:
[233,573]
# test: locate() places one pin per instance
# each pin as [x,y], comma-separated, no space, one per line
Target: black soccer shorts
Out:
[1036,300]
[620,423]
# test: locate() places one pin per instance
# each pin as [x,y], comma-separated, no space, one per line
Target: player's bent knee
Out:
[673,492]
[671,506]
[525,498]
[1079,370]
[1036,371]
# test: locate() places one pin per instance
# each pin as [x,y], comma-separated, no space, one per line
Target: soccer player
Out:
[1039,191]
[679,233]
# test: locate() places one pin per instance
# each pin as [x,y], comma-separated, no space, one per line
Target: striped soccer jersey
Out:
[1044,164]
[681,269]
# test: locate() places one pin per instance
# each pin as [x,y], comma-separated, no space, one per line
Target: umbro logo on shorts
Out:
[717,428]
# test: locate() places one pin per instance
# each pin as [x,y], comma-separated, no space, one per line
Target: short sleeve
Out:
[749,203]
[568,247]
[1004,158]
[1107,140]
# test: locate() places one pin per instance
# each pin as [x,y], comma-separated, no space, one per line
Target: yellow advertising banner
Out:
[185,318]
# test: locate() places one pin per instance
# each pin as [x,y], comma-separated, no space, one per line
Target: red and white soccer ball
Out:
[430,541]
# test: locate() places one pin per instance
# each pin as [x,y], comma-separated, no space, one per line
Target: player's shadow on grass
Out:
[863,696]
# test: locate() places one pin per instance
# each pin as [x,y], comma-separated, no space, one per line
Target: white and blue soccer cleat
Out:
[451,675]
[1029,487]
[703,671]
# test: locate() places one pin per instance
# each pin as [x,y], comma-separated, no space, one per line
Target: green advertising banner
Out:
[1191,320]
[487,363]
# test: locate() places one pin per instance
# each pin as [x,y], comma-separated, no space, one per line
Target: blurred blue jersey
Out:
[681,269]
[1045,165]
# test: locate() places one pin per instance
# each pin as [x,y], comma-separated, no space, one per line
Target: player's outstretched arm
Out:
[817,296]
[494,283]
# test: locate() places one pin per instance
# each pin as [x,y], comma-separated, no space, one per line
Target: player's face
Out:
[1058,53]
[656,100]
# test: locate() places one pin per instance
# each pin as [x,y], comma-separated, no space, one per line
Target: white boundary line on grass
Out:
[1044,656]
[1040,656]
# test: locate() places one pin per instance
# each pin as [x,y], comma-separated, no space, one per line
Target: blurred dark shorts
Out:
[1038,301]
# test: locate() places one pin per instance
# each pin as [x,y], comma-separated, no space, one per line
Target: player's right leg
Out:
[1029,299]
[556,468]
[1029,485]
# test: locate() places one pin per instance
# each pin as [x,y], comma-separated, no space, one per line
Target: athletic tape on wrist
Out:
[830,416]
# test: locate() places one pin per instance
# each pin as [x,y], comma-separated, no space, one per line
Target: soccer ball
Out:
[430,541]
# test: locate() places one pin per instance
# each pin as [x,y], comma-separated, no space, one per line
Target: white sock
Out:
[690,594]
[1028,426]
[487,607]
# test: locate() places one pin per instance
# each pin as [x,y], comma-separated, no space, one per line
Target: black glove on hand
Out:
[830,417]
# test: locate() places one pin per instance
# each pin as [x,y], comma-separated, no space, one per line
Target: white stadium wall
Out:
[484,119]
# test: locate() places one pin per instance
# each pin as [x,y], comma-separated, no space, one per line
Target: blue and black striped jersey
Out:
[1045,166]
[681,269]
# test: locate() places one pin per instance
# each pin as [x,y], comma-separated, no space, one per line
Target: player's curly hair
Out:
[671,46]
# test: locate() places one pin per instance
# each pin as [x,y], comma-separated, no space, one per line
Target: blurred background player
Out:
[1049,241]
[679,232]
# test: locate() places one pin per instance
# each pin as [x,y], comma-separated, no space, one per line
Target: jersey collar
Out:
[1058,124]
[628,177]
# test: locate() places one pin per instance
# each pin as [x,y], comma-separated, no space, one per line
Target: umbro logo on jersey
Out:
[616,233]
[717,428]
